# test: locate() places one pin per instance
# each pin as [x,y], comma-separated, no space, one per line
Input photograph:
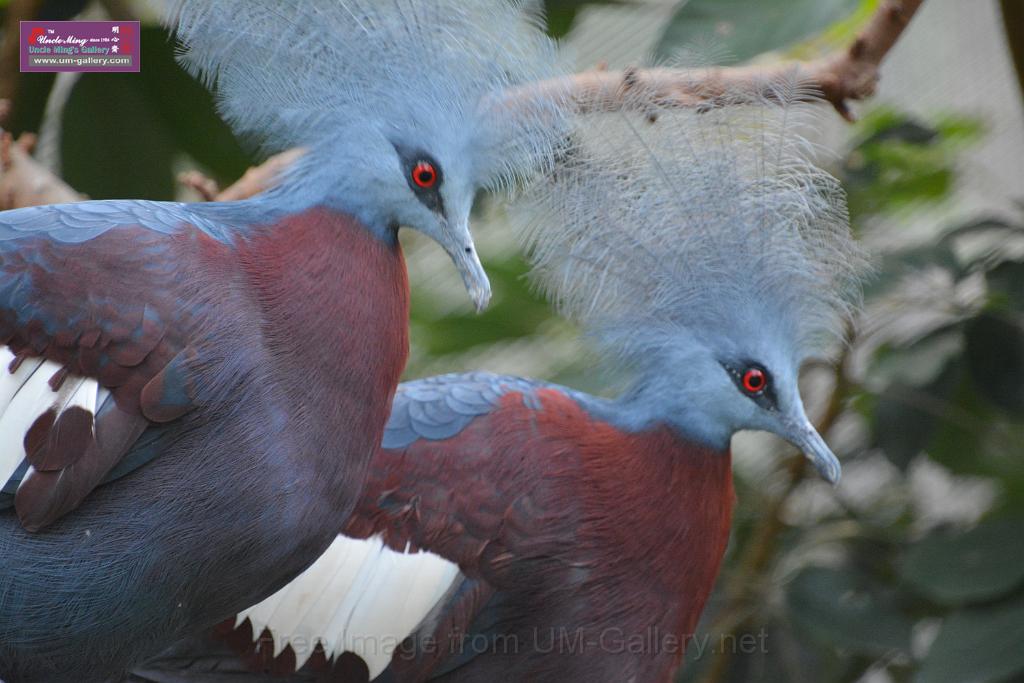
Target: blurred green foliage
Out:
[741,29]
[161,110]
[516,311]
[562,14]
[899,161]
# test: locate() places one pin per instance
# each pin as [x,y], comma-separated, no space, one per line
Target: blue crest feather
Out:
[325,74]
[715,224]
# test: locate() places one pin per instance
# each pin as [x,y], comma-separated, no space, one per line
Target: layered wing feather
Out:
[368,593]
[438,408]
[32,412]
[93,310]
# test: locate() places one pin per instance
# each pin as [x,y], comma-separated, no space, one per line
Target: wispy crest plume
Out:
[313,72]
[716,221]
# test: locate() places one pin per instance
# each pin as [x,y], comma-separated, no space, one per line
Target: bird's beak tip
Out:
[832,476]
[474,277]
[481,295]
[458,242]
[807,439]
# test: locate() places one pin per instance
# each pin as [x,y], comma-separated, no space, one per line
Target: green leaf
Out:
[900,161]
[561,14]
[977,646]
[976,438]
[995,355]
[984,563]
[905,417]
[844,609]
[746,28]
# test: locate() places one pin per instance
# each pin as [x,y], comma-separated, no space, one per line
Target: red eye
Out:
[754,380]
[424,175]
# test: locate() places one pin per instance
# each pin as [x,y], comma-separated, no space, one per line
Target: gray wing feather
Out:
[438,408]
[83,221]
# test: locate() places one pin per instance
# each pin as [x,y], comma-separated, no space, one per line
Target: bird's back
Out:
[574,534]
[545,527]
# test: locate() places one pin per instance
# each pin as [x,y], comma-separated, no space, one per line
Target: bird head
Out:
[708,253]
[713,386]
[399,103]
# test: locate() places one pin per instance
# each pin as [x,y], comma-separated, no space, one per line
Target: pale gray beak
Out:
[804,436]
[458,243]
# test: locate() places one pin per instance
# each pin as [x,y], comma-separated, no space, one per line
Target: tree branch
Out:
[850,74]
[255,180]
[23,180]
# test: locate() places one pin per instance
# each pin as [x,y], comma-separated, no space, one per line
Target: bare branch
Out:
[23,180]
[262,177]
[255,180]
[205,186]
[850,74]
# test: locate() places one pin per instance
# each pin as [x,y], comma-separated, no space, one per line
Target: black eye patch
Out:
[754,381]
[424,176]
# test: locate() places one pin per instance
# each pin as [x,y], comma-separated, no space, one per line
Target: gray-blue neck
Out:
[297,193]
[645,405]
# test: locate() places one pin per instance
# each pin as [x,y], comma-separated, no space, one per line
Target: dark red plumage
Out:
[283,350]
[345,295]
[137,334]
[576,523]
[587,551]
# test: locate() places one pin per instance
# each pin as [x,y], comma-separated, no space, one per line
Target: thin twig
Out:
[204,186]
[262,177]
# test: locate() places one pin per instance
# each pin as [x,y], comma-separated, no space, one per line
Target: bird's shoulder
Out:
[441,407]
[79,222]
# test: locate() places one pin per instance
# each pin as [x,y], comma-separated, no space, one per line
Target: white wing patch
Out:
[359,596]
[26,394]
